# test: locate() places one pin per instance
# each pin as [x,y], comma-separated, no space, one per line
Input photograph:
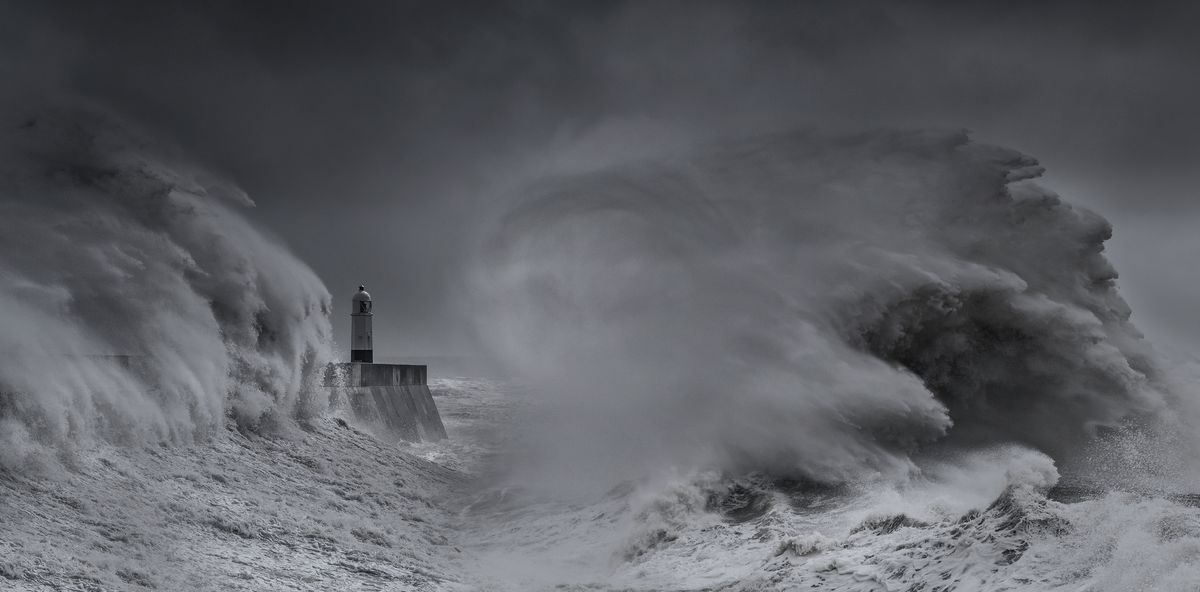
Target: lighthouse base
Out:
[392,399]
[364,356]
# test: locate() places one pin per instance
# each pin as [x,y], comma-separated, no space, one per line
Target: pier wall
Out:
[394,398]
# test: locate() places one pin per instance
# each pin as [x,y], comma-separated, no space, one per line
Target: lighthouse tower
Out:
[361,349]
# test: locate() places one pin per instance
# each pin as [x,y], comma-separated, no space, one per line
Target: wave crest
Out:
[814,305]
[137,304]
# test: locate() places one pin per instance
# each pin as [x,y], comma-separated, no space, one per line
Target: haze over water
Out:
[729,339]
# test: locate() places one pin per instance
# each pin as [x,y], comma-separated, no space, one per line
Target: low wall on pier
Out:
[394,398]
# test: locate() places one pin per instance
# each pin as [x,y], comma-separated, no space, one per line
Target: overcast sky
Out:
[371,134]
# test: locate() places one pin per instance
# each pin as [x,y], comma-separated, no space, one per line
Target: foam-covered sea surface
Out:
[329,507]
[333,506]
[1006,523]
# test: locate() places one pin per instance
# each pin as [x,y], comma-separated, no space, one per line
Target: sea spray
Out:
[137,304]
[823,306]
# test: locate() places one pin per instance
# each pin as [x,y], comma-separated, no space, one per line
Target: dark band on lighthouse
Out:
[361,348]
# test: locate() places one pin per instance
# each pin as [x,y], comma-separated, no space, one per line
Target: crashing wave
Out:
[138,305]
[802,304]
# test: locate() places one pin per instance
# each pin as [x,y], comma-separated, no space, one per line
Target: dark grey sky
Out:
[372,134]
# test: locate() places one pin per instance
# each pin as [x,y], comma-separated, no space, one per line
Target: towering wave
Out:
[815,305]
[137,304]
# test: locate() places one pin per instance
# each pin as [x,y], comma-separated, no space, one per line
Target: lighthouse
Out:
[360,327]
[388,399]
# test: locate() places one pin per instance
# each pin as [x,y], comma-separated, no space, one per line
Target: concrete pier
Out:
[393,398]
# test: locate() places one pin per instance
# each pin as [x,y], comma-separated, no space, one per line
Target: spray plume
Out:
[813,305]
[137,304]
